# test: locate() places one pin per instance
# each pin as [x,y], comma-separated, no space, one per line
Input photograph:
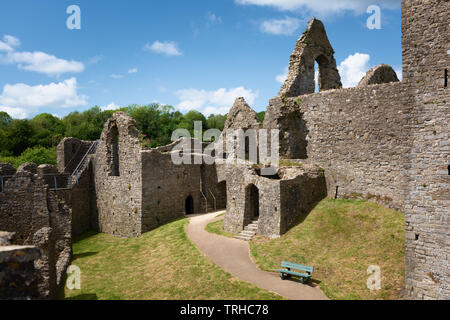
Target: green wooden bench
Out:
[304,274]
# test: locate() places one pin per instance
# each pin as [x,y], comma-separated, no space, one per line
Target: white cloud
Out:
[322,6]
[134,70]
[9,43]
[218,101]
[168,48]
[286,26]
[37,61]
[22,100]
[282,77]
[44,63]
[399,72]
[116,76]
[111,106]
[15,113]
[353,69]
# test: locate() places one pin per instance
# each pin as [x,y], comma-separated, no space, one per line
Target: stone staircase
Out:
[249,231]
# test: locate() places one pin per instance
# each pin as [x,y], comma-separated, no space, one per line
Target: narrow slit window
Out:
[445,78]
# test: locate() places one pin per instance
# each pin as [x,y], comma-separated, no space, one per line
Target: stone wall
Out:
[358,135]
[389,142]
[425,32]
[165,195]
[70,151]
[117,167]
[40,218]
[19,279]
[283,199]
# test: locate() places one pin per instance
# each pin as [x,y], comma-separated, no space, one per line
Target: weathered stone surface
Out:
[313,46]
[241,116]
[7,238]
[19,279]
[70,152]
[389,142]
[278,202]
[39,218]
[44,169]
[6,169]
[28,167]
[138,189]
[378,75]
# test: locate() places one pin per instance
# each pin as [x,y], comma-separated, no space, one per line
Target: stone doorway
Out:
[189,205]
[251,204]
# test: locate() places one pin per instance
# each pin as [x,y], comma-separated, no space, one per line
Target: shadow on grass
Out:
[86,296]
[83,236]
[83,255]
[313,283]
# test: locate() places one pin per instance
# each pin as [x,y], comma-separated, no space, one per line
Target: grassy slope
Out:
[217,228]
[161,264]
[341,239]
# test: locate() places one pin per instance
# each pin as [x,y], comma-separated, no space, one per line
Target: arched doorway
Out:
[189,205]
[251,204]
[222,195]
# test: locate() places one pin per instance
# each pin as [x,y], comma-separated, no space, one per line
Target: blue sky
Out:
[190,54]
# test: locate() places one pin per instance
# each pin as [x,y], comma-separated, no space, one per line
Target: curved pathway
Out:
[233,256]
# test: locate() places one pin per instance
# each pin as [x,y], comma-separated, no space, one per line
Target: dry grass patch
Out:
[341,239]
[162,264]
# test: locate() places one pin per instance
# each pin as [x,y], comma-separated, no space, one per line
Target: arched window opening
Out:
[113,152]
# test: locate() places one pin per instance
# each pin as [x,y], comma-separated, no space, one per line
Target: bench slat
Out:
[294,273]
[291,265]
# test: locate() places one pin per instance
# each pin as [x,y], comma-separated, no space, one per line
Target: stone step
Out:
[248,233]
[251,228]
[243,238]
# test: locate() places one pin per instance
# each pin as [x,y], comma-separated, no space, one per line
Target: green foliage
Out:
[38,155]
[48,130]
[261,115]
[5,119]
[45,131]
[216,121]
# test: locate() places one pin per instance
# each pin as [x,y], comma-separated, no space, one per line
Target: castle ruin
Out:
[385,138]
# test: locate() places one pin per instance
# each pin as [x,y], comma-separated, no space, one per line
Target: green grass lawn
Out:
[161,264]
[341,239]
[217,228]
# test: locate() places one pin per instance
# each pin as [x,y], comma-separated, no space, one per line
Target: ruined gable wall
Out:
[359,136]
[119,197]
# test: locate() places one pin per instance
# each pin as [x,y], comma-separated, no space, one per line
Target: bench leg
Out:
[282,276]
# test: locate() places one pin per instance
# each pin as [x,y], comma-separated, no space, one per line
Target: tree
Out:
[19,136]
[48,130]
[189,120]
[216,121]
[5,120]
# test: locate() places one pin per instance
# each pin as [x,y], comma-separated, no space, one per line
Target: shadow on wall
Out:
[300,198]
[294,144]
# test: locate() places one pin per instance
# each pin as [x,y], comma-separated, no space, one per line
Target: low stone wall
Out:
[19,279]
